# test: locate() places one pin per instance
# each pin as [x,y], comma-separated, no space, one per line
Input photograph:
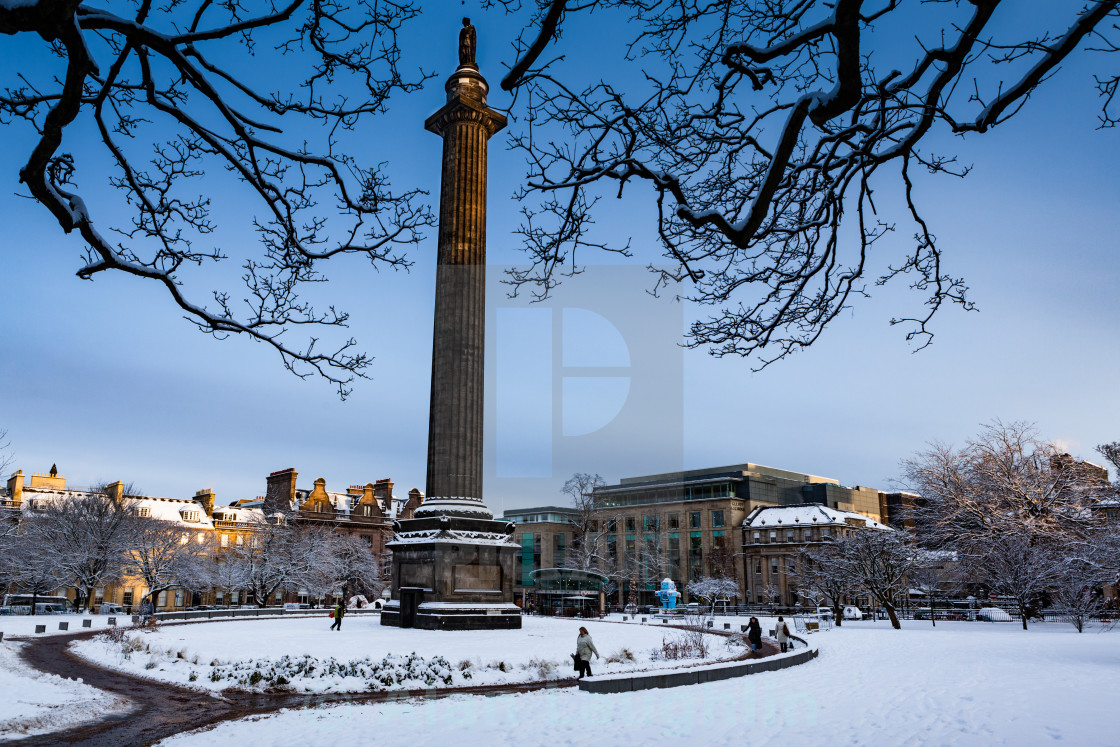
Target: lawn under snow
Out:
[956,684]
[365,656]
[37,703]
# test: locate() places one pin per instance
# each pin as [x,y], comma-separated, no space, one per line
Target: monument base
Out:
[452,573]
[447,616]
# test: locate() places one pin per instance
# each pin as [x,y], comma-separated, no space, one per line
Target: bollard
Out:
[40,628]
[112,621]
[727,626]
[1,636]
[664,620]
[625,618]
[87,623]
[64,626]
[135,619]
[710,623]
[743,628]
[644,619]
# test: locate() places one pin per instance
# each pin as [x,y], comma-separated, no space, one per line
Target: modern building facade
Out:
[680,526]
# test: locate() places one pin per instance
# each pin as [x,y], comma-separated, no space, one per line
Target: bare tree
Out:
[822,576]
[165,93]
[761,132]
[332,562]
[1005,498]
[587,551]
[1077,591]
[879,562]
[164,555]
[28,568]
[6,457]
[712,589]
[270,558]
[85,537]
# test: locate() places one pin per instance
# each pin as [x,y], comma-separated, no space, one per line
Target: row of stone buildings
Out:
[746,521]
[367,511]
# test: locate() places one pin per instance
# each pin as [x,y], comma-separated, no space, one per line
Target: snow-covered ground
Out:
[312,658]
[956,684]
[37,703]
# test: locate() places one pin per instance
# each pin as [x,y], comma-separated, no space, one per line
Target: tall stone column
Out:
[454,485]
[453,563]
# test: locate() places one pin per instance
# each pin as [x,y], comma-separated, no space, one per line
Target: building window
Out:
[178,597]
[612,525]
[694,520]
[190,516]
[651,523]
[789,535]
[127,601]
[240,541]
[225,540]
[773,536]
[757,536]
[558,551]
[674,521]
[717,518]
[526,559]
[630,524]
[144,511]
[593,525]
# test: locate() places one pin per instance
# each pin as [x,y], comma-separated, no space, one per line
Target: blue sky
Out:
[107,381]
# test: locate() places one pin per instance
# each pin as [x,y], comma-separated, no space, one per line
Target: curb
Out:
[652,680]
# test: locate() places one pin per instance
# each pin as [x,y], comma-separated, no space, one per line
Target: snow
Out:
[228,650]
[37,703]
[791,517]
[957,684]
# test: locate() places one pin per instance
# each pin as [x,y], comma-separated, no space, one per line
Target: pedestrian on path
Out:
[781,630]
[585,647]
[754,634]
[339,613]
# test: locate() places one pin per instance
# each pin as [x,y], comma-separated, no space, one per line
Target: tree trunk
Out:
[1023,615]
[34,598]
[837,612]
[893,616]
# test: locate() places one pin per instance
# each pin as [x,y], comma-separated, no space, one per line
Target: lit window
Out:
[144,511]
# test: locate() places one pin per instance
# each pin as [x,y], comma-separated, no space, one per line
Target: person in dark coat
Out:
[585,647]
[339,613]
[754,634]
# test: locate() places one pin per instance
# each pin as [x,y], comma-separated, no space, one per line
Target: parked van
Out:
[853,613]
[110,609]
[295,606]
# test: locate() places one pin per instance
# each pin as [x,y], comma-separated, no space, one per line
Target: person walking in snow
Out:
[754,634]
[585,647]
[781,630]
[339,612]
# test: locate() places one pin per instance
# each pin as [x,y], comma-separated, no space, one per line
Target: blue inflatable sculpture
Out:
[668,595]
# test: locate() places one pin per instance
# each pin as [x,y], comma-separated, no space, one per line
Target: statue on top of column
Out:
[467,44]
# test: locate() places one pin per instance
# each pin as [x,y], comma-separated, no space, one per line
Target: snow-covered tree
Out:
[822,577]
[26,567]
[1009,503]
[268,560]
[85,536]
[712,589]
[164,555]
[879,563]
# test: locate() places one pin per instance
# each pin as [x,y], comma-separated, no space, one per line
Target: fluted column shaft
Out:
[455,427]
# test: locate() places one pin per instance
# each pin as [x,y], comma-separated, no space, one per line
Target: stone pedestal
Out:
[452,573]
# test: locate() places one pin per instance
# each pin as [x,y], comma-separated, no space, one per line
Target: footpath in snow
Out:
[38,703]
[956,684]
